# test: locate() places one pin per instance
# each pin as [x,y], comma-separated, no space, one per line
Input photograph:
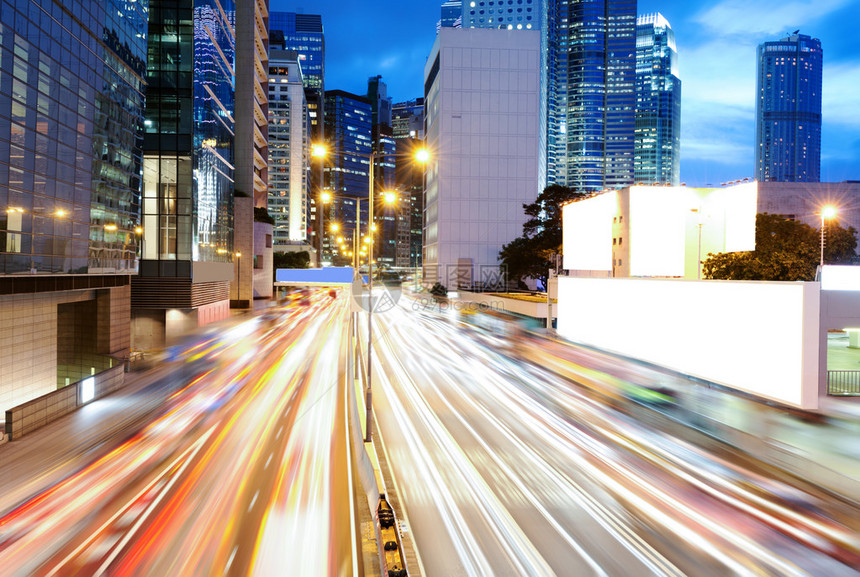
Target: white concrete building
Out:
[482,115]
[288,149]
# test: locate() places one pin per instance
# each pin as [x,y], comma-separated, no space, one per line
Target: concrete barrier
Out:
[37,413]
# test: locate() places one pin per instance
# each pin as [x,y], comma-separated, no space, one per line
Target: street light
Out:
[422,156]
[320,151]
[334,227]
[239,275]
[827,212]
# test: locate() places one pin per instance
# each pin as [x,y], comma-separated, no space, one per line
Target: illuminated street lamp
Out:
[827,212]
[238,256]
[421,156]
[334,227]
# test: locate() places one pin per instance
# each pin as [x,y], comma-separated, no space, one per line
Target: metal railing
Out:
[843,382]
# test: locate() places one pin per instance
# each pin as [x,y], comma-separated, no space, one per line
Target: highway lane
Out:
[247,472]
[504,468]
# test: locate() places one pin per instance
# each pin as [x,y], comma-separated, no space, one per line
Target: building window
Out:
[258,261]
[268,241]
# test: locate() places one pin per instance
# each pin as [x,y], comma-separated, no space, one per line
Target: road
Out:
[246,470]
[504,468]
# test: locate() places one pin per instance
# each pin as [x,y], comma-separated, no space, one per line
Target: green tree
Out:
[786,250]
[530,255]
[300,259]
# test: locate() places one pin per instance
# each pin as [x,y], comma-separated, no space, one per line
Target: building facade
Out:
[593,70]
[188,168]
[288,150]
[71,118]
[350,138]
[788,110]
[451,15]
[657,158]
[304,34]
[251,177]
[482,93]
[407,119]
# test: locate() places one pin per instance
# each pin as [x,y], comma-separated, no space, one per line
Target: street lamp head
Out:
[325,197]
[828,211]
[238,255]
[389,197]
[60,212]
[335,227]
[318,151]
[138,230]
[422,155]
[367,240]
[373,228]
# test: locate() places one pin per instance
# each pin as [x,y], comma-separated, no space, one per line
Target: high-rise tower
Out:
[592,51]
[788,110]
[658,103]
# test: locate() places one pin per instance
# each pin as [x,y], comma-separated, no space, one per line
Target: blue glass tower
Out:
[788,110]
[593,58]
[658,103]
[349,122]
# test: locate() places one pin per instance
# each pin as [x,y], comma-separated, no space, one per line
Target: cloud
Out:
[840,98]
[765,17]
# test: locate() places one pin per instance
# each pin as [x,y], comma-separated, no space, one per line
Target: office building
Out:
[407,119]
[527,15]
[349,136]
[288,150]
[188,169]
[658,103]
[482,93]
[788,110]
[409,182]
[593,59]
[252,236]
[71,117]
[304,34]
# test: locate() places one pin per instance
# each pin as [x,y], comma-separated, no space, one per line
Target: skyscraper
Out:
[658,103]
[408,130]
[71,120]
[304,34]
[187,265]
[407,119]
[348,130]
[482,94]
[592,51]
[527,15]
[788,110]
[452,15]
[252,236]
[288,149]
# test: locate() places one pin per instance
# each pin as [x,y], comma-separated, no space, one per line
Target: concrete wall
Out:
[36,413]
[264,274]
[526,308]
[29,335]
[759,337]
[242,287]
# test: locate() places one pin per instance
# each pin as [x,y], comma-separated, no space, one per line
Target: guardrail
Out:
[843,383]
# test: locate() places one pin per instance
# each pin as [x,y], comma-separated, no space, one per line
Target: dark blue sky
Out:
[716,47]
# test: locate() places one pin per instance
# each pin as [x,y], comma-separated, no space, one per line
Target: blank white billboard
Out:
[840,278]
[587,232]
[657,228]
[758,337]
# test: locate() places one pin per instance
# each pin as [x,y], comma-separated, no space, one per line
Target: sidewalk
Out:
[42,458]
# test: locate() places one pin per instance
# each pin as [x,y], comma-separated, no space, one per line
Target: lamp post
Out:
[422,156]
[320,151]
[828,211]
[239,277]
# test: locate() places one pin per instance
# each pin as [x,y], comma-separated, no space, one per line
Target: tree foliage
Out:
[300,259]
[530,255]
[786,250]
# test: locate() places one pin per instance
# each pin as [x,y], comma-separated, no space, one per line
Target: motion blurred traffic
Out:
[508,453]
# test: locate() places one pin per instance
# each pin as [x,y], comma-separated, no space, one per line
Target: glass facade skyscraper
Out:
[71,119]
[593,62]
[658,103]
[71,111]
[788,110]
[349,122]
